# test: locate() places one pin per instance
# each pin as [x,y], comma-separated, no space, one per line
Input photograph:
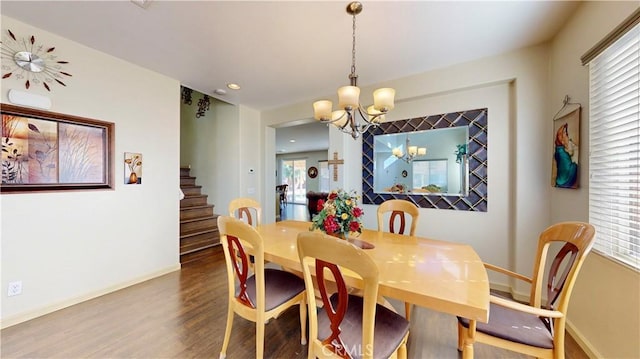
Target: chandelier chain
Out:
[353,50]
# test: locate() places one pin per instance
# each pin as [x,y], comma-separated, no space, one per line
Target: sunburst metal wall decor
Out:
[25,59]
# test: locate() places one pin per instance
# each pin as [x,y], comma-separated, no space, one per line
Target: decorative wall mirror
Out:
[444,157]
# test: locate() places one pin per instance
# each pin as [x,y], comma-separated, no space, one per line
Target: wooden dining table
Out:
[444,276]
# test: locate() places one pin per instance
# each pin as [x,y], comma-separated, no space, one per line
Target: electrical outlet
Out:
[15,288]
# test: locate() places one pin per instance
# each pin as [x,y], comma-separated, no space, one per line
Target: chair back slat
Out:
[241,243]
[247,210]
[392,221]
[555,283]
[241,269]
[400,210]
[335,314]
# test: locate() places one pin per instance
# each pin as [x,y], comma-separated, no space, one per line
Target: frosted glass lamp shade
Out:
[396,152]
[413,150]
[322,110]
[422,151]
[348,96]
[383,99]
[341,117]
[371,111]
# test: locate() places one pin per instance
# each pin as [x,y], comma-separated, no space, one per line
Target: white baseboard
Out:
[591,352]
[23,317]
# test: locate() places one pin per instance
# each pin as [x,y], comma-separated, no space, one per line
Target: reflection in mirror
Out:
[434,161]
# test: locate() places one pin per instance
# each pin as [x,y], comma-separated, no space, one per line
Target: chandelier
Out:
[412,152]
[351,117]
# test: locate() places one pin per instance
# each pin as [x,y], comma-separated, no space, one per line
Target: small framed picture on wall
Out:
[132,168]
[566,146]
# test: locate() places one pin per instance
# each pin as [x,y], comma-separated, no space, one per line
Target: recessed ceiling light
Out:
[142,3]
[292,140]
[233,86]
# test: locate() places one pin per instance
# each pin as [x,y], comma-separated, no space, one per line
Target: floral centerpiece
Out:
[339,215]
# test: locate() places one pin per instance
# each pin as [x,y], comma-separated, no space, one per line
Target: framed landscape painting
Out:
[47,151]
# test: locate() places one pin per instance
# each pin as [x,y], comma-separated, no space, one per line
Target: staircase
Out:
[198,224]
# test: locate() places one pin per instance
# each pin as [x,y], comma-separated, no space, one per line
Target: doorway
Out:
[294,174]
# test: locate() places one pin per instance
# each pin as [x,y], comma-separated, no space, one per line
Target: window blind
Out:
[614,156]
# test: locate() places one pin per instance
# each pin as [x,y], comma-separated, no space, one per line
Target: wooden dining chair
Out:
[247,210]
[283,194]
[262,295]
[534,329]
[347,326]
[400,210]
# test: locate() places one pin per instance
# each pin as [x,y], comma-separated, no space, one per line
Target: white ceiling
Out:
[285,52]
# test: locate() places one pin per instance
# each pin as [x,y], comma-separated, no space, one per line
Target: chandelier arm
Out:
[365,115]
[332,120]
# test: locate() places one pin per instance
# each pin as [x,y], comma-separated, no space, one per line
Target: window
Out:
[294,174]
[430,174]
[614,158]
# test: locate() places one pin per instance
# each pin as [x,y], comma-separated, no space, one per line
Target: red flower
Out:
[354,226]
[320,205]
[356,211]
[330,224]
[332,195]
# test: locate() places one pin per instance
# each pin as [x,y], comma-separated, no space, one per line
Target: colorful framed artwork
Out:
[47,151]
[566,141]
[132,168]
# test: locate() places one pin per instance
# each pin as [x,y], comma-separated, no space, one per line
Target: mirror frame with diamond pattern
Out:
[476,199]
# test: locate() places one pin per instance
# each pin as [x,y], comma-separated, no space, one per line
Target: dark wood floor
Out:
[182,315]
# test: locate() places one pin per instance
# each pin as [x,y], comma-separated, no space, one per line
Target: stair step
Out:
[187,181]
[196,212]
[198,224]
[191,190]
[194,200]
[199,240]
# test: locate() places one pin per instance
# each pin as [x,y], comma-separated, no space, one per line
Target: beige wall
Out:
[604,312]
[66,247]
[521,202]
[513,87]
